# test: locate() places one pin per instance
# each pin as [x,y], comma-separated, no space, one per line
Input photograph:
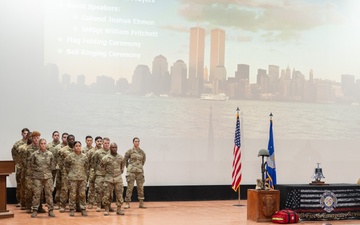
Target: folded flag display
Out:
[285,216]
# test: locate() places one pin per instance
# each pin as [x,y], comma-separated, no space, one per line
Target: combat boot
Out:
[141,204]
[127,205]
[98,208]
[62,207]
[72,212]
[83,212]
[90,206]
[119,211]
[106,213]
[57,206]
[34,214]
[51,213]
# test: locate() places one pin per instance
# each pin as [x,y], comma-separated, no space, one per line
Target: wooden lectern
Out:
[6,168]
[262,204]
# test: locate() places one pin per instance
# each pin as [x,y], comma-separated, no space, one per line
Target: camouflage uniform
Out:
[99,174]
[63,153]
[30,149]
[22,162]
[77,167]
[134,161]
[86,149]
[42,164]
[52,148]
[91,177]
[114,166]
[15,152]
[58,171]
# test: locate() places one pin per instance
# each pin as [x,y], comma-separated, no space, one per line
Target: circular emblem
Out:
[268,207]
[328,201]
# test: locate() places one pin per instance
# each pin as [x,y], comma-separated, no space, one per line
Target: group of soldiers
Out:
[72,168]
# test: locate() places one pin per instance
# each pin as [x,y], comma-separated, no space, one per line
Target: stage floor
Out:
[159,213]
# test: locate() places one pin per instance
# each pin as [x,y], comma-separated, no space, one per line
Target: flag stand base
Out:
[239,205]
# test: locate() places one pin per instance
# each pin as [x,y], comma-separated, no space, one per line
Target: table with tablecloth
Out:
[321,202]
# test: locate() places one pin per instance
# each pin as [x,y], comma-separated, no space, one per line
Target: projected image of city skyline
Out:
[301,34]
[298,51]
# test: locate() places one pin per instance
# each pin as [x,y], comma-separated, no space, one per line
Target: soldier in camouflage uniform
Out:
[51,146]
[63,153]
[30,149]
[16,157]
[76,165]
[114,166]
[88,146]
[42,163]
[91,179]
[99,171]
[23,161]
[85,149]
[134,161]
[58,172]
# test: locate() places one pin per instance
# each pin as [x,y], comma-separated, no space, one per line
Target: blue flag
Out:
[270,166]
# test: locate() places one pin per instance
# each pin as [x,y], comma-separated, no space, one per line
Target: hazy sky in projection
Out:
[319,35]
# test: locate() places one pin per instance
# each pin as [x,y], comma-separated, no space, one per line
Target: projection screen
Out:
[143,68]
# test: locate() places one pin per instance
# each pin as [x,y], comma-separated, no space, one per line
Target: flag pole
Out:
[270,166]
[238,188]
[239,204]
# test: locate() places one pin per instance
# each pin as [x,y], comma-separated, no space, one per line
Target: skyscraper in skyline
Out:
[242,78]
[196,60]
[274,75]
[178,78]
[242,73]
[217,51]
[219,80]
[160,81]
[140,80]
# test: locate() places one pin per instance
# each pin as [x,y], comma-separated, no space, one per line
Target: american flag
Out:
[236,173]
